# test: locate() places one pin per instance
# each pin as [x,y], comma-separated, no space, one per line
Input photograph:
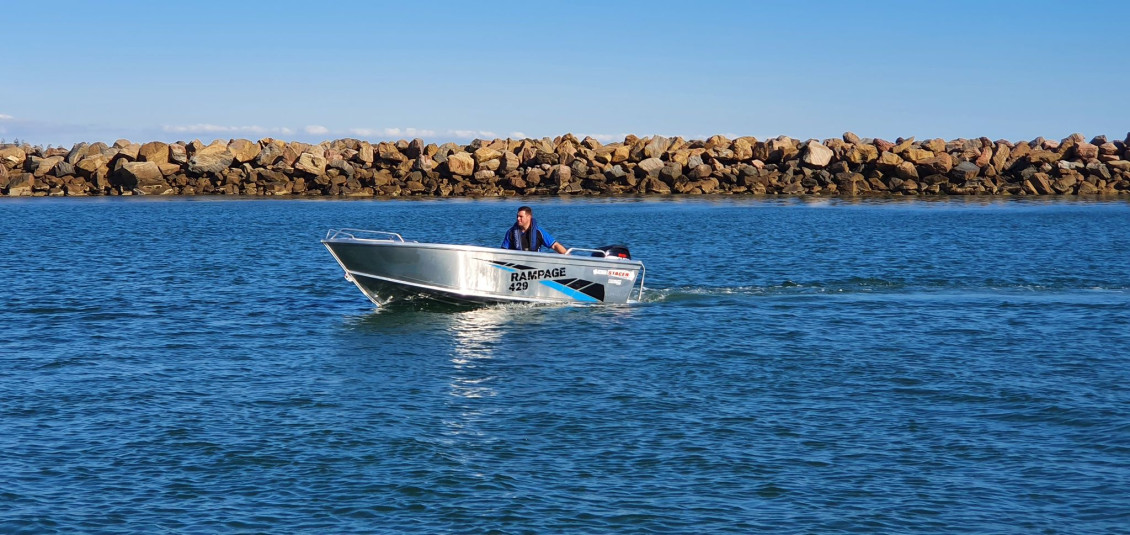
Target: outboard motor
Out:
[615,251]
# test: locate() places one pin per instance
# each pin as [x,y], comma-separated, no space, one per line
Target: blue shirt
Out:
[538,237]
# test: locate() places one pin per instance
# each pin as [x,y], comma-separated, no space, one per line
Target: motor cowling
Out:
[615,251]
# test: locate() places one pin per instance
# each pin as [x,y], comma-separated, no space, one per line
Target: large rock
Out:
[940,164]
[213,160]
[560,175]
[388,152]
[486,154]
[343,166]
[1121,165]
[272,151]
[936,145]
[1086,151]
[1018,152]
[903,145]
[816,154]
[136,174]
[985,158]
[415,149]
[1044,156]
[650,166]
[620,154]
[311,163]
[41,166]
[589,143]
[21,185]
[292,151]
[1000,156]
[154,151]
[243,150]
[1040,184]
[1065,184]
[365,153]
[889,160]
[1086,188]
[77,152]
[12,157]
[169,169]
[655,147]
[861,153]
[965,171]
[217,146]
[681,157]
[781,149]
[907,171]
[425,164]
[508,162]
[700,171]
[178,154]
[709,185]
[743,148]
[91,165]
[917,156]
[63,169]
[461,164]
[716,141]
[654,185]
[129,150]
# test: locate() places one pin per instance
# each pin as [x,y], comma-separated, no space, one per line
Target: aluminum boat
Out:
[386,267]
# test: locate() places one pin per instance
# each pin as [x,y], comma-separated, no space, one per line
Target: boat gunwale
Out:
[542,257]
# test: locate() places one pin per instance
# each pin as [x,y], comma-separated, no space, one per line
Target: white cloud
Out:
[472,134]
[4,117]
[416,132]
[518,135]
[316,130]
[205,128]
[390,132]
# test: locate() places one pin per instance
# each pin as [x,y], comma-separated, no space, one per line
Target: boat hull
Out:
[387,270]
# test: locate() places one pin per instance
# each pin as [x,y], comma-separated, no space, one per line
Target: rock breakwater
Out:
[567,165]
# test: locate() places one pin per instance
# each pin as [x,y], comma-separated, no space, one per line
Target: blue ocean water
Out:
[794,366]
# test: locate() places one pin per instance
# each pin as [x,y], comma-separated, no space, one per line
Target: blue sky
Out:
[452,71]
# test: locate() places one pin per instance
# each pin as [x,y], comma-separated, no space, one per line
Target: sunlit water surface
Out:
[954,366]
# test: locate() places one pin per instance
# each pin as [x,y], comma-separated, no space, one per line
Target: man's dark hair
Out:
[526,209]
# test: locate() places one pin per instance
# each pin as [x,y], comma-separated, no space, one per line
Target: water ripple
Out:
[903,368]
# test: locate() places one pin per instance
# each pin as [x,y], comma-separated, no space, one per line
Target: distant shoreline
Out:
[847,166]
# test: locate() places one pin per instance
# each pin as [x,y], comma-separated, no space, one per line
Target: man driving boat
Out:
[526,235]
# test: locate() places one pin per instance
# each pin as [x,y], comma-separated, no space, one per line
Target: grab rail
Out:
[601,251]
[351,233]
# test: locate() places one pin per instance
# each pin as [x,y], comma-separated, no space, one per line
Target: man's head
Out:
[525,216]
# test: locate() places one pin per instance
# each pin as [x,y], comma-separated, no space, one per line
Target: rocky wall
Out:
[567,165]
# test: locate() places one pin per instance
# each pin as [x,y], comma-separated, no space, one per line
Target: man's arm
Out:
[547,238]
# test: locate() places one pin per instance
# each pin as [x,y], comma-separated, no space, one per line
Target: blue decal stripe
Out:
[579,296]
[504,268]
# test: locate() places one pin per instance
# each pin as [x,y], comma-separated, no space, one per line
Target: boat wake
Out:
[875,287]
